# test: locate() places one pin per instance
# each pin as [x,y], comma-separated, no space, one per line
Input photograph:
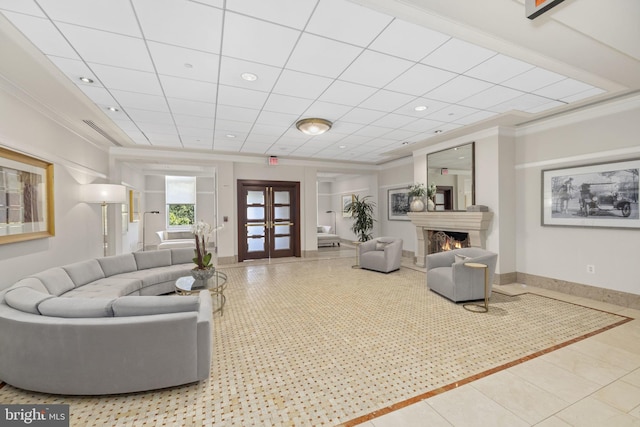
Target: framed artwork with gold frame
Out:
[26,197]
[134,206]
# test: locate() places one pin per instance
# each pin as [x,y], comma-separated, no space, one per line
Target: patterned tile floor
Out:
[315,342]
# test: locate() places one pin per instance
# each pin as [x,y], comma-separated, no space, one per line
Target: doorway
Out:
[268,219]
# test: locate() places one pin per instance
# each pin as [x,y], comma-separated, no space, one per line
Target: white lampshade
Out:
[103,193]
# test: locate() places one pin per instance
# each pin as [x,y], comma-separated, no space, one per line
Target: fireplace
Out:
[475,224]
[440,241]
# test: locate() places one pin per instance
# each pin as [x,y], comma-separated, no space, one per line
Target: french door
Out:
[268,219]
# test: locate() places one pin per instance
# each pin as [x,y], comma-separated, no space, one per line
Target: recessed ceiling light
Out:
[250,77]
[114,109]
[420,108]
[86,79]
[230,135]
[461,157]
[187,65]
[405,143]
[438,131]
[342,146]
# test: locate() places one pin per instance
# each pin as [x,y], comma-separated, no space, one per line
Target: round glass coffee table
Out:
[216,285]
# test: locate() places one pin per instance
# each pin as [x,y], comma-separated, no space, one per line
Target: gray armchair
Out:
[382,254]
[450,278]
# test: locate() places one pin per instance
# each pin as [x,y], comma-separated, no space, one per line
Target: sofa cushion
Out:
[25,299]
[113,265]
[108,287]
[182,256]
[33,283]
[77,307]
[152,259]
[158,275]
[56,280]
[460,258]
[381,245]
[84,272]
[146,305]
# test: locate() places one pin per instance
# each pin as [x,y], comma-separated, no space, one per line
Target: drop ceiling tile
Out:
[354,140]
[258,41]
[167,129]
[215,3]
[115,16]
[224,145]
[520,103]
[475,117]
[193,25]
[74,69]
[140,101]
[533,79]
[345,93]
[231,71]
[233,126]
[345,128]
[196,142]
[192,108]
[373,131]
[302,85]
[493,96]
[240,97]
[583,95]
[452,113]
[420,79]
[185,131]
[145,117]
[225,135]
[457,56]
[22,6]
[424,125]
[192,90]
[498,69]
[99,95]
[375,69]
[407,40]
[164,140]
[254,138]
[395,121]
[194,121]
[138,137]
[255,148]
[228,112]
[276,119]
[385,100]
[458,89]
[378,143]
[291,13]
[321,56]
[286,104]
[400,135]
[563,89]
[42,34]
[267,130]
[125,124]
[347,21]
[102,47]
[124,79]
[326,110]
[184,63]
[362,116]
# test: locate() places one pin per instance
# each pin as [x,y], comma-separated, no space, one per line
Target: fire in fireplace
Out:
[440,241]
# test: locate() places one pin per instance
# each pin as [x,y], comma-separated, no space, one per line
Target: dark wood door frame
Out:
[270,222]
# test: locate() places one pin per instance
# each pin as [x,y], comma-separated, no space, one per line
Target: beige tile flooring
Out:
[594,382]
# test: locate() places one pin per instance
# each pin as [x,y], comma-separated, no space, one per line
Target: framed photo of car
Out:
[596,195]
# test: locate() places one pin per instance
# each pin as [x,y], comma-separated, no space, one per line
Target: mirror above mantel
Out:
[452,171]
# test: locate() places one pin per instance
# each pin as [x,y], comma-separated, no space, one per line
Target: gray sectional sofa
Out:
[101,327]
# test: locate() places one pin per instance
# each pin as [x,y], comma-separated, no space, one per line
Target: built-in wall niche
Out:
[452,171]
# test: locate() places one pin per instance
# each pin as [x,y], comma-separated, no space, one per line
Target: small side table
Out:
[477,308]
[216,285]
[357,265]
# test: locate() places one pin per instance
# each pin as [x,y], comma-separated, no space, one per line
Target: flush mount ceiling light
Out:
[313,126]
[420,108]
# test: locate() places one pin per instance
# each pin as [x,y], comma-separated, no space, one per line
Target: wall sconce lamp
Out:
[144,225]
[104,194]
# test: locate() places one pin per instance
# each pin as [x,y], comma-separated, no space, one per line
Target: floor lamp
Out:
[144,225]
[104,194]
[334,222]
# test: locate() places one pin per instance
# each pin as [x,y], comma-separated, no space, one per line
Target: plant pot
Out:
[202,276]
[417,204]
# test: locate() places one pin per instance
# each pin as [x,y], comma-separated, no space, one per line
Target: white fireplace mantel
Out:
[474,223]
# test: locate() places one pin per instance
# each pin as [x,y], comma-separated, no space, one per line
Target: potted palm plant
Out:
[362,213]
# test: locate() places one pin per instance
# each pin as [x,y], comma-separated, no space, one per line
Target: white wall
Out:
[78,231]
[363,185]
[564,252]
[399,176]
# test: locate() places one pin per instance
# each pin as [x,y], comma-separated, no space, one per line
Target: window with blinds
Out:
[180,193]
